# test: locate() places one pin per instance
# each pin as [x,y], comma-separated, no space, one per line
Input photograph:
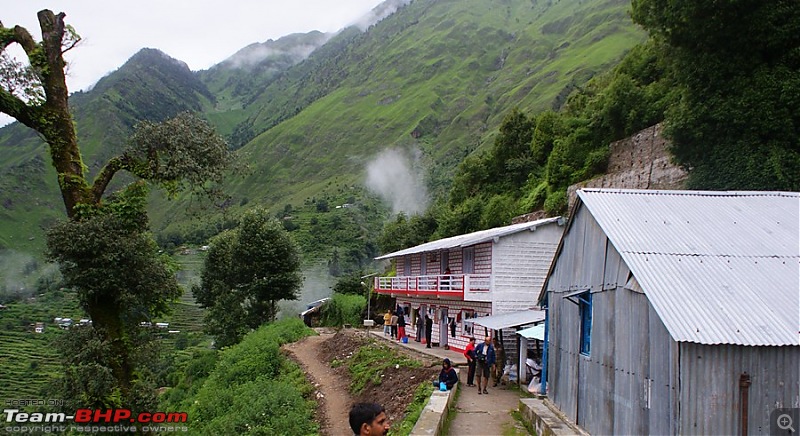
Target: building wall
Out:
[624,385]
[434,265]
[709,396]
[520,263]
[637,379]
[454,307]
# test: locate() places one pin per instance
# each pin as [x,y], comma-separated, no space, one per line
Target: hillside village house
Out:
[493,271]
[675,312]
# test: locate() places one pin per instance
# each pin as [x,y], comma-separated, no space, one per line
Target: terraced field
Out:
[27,364]
[28,361]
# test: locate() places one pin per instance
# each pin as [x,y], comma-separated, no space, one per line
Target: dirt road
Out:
[335,400]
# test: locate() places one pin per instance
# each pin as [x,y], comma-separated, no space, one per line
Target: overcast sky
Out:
[198,32]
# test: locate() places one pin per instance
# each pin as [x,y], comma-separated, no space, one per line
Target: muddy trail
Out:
[332,392]
[316,355]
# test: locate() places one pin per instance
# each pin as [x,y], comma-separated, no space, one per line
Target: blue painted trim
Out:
[544,352]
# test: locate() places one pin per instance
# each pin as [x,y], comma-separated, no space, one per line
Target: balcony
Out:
[450,285]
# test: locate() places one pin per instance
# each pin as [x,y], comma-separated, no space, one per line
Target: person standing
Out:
[393,324]
[368,419]
[428,327]
[401,323]
[501,357]
[419,325]
[387,322]
[486,358]
[469,353]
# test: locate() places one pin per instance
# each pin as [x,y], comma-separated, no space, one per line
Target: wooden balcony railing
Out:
[441,285]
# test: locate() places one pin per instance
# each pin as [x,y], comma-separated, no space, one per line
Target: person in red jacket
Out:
[469,353]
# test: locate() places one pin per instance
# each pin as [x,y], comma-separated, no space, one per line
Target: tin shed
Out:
[675,312]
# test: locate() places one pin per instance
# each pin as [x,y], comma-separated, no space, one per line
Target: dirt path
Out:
[484,414]
[335,399]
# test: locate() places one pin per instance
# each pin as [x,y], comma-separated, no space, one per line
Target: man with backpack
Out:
[486,358]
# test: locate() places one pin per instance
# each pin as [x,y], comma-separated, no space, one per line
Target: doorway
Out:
[443,326]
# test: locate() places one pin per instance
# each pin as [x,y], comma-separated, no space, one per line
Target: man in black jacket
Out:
[428,327]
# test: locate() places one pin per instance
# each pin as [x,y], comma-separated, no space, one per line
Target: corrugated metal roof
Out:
[535,332]
[472,238]
[718,267]
[512,319]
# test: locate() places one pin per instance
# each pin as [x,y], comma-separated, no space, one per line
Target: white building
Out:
[491,272]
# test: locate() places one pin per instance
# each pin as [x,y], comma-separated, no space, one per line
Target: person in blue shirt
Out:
[447,375]
[486,357]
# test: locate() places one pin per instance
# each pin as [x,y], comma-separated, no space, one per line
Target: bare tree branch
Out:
[15,107]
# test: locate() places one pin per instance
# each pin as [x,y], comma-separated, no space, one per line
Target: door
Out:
[443,327]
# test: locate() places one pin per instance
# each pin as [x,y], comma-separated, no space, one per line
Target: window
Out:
[585,309]
[466,327]
[423,265]
[469,260]
[445,263]
[407,266]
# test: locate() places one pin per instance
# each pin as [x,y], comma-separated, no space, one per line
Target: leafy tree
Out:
[105,250]
[343,309]
[350,284]
[737,69]
[247,271]
[406,232]
[510,159]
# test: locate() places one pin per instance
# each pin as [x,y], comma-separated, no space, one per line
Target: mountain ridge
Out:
[435,76]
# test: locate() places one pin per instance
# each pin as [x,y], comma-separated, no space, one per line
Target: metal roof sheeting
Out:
[473,238]
[535,332]
[512,319]
[718,267]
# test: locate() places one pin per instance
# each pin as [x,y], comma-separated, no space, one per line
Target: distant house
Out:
[484,273]
[675,312]
[39,328]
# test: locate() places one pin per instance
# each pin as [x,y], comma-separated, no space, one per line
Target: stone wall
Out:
[638,162]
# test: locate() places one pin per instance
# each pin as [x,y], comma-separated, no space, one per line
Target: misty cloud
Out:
[19,273]
[292,49]
[317,284]
[380,12]
[398,178]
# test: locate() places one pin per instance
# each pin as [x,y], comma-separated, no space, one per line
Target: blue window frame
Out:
[585,309]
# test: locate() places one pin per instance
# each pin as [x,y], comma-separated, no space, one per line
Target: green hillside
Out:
[436,76]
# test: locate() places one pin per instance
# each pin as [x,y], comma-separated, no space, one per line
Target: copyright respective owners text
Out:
[784,421]
[54,416]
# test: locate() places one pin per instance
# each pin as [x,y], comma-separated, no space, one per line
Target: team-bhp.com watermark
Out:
[93,421]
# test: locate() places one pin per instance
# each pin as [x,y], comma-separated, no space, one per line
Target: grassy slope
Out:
[449,69]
